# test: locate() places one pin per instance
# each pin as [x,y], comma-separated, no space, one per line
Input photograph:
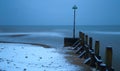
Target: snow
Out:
[24,57]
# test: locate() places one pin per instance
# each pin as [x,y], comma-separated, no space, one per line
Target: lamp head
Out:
[74,7]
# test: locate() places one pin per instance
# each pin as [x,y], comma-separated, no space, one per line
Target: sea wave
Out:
[106,32]
[52,34]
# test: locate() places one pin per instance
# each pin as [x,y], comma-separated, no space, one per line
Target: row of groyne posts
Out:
[83,46]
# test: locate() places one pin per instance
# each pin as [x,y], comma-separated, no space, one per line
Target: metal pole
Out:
[74,23]
[74,7]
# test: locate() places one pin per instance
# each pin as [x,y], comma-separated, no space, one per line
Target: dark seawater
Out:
[107,35]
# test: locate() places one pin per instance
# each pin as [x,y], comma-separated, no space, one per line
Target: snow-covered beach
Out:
[25,52]
[24,57]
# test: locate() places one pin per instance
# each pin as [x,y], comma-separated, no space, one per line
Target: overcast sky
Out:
[59,12]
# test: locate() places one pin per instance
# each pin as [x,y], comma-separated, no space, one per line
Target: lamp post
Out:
[74,8]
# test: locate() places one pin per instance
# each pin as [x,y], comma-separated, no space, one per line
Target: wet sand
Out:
[37,44]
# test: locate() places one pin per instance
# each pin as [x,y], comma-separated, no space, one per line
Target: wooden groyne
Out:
[83,46]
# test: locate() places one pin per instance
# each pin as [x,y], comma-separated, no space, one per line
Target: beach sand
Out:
[33,52]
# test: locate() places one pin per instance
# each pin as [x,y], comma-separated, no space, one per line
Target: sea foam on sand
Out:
[24,57]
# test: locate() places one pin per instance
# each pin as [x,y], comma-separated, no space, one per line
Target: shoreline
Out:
[73,60]
[36,44]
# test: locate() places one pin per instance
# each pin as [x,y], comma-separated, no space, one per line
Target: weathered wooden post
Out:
[90,43]
[83,39]
[86,39]
[81,48]
[97,47]
[89,50]
[80,35]
[108,60]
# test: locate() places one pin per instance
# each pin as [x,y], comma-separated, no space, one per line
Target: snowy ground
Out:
[37,52]
[24,57]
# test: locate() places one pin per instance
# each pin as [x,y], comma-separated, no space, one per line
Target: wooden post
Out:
[97,46]
[80,35]
[109,54]
[86,39]
[81,48]
[90,43]
[82,42]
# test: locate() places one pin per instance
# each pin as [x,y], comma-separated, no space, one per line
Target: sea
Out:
[108,35]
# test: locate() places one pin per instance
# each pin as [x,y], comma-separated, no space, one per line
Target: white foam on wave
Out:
[52,34]
[106,32]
